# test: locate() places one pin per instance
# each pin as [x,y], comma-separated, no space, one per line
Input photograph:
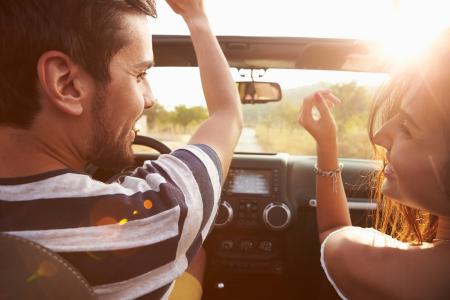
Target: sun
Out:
[410,29]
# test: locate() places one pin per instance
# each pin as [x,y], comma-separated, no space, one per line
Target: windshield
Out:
[273,127]
[270,127]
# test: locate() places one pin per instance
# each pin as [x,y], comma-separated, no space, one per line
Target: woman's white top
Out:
[369,236]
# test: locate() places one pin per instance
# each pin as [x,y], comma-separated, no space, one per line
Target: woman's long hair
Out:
[399,221]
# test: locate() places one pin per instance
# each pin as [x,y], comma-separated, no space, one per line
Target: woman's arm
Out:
[364,263]
[332,209]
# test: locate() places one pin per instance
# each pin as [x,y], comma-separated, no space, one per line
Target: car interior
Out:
[264,244]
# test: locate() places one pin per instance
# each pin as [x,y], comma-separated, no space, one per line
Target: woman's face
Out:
[416,153]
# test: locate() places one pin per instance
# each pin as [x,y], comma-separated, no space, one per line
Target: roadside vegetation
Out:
[275,124]
[181,120]
[277,129]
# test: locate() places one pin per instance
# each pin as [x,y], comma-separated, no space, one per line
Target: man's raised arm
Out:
[222,129]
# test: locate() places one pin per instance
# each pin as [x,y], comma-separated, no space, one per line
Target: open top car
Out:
[265,243]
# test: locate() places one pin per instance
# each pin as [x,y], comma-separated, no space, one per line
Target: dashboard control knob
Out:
[277,216]
[225,214]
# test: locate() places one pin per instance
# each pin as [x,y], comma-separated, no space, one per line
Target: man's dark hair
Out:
[88,31]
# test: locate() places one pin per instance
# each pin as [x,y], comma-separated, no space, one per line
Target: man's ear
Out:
[63,82]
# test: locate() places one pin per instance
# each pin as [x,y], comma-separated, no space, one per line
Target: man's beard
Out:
[105,151]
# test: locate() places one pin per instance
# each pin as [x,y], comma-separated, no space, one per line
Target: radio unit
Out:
[257,182]
[251,199]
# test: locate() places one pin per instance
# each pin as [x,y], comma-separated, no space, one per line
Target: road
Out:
[248,141]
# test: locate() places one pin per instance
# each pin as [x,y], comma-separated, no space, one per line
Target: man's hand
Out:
[323,129]
[188,9]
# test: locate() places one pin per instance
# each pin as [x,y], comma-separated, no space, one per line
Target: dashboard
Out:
[266,229]
[264,244]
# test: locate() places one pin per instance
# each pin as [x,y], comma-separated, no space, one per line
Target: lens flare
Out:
[106,221]
[148,204]
[44,269]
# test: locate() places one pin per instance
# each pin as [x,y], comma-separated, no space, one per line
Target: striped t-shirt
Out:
[129,239]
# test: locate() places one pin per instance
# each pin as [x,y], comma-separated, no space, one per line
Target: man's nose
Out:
[148,101]
[149,98]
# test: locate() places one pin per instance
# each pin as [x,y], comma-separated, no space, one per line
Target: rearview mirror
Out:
[259,92]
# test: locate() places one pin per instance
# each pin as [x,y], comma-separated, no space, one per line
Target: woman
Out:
[410,126]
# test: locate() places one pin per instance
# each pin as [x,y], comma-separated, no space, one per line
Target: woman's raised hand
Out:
[187,8]
[322,128]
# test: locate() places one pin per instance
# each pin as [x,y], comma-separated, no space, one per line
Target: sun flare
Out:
[412,26]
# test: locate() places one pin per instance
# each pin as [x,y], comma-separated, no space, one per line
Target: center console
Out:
[253,214]
[250,198]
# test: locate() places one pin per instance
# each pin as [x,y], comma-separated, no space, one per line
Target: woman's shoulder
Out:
[370,244]
[350,235]
[364,261]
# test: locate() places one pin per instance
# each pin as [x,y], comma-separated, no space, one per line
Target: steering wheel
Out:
[151,143]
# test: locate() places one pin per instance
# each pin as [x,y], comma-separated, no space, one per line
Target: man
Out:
[72,85]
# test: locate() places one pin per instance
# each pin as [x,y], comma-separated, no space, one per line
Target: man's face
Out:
[121,102]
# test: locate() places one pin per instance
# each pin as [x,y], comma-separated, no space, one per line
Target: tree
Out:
[184,116]
[277,128]
[157,115]
[351,118]
[356,101]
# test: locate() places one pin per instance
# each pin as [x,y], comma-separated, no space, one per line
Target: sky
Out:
[343,18]
[401,25]
[368,19]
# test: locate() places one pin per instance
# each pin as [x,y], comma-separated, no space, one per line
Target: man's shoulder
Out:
[207,155]
[74,201]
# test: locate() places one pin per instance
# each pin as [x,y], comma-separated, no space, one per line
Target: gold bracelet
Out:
[329,173]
